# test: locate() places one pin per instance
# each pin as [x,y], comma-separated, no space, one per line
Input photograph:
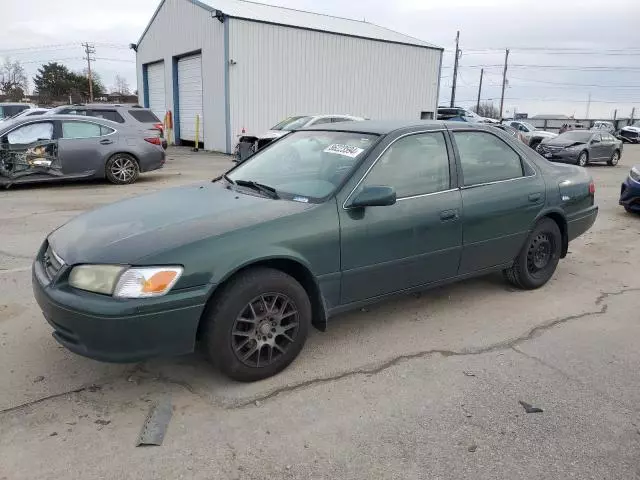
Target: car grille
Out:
[51,262]
[548,149]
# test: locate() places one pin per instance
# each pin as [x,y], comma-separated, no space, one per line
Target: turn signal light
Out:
[592,188]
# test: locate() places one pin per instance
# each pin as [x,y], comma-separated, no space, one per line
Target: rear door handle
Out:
[535,197]
[106,141]
[446,215]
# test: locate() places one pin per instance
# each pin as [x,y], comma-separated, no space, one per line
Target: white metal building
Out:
[240,64]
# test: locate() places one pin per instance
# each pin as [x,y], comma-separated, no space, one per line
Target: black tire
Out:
[529,271]
[615,158]
[628,209]
[226,328]
[583,159]
[122,169]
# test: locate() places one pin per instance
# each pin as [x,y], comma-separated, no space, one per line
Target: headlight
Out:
[95,278]
[124,282]
[635,174]
[147,282]
[574,147]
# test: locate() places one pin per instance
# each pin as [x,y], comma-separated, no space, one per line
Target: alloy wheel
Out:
[265,329]
[615,158]
[582,159]
[123,169]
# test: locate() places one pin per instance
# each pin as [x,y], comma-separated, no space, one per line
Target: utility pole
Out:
[89,49]
[633,114]
[455,71]
[504,81]
[588,105]
[479,91]
[615,114]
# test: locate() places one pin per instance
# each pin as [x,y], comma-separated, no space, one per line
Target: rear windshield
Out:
[144,116]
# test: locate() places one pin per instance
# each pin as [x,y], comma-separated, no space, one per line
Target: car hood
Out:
[125,232]
[542,133]
[631,129]
[561,142]
[273,134]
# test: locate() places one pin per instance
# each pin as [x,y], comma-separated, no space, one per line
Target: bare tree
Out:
[487,110]
[12,77]
[121,85]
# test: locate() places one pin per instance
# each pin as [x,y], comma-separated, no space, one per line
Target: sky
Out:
[561,52]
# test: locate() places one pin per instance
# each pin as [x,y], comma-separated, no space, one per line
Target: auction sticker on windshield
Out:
[346,150]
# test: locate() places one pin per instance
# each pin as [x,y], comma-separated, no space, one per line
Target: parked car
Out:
[253,143]
[460,114]
[510,131]
[132,115]
[630,134]
[582,147]
[361,212]
[29,112]
[602,125]
[531,135]
[630,191]
[56,147]
[8,109]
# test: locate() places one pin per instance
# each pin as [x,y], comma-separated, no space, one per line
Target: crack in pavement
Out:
[370,370]
[506,344]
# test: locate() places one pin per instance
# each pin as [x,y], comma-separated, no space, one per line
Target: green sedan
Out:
[324,220]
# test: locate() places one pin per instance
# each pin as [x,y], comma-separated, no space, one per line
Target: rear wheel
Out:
[538,258]
[257,325]
[583,159]
[122,169]
[615,158]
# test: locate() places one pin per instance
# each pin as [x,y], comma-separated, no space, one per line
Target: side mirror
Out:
[375,196]
[595,140]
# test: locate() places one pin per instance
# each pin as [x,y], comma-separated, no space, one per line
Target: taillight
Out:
[158,126]
[592,188]
[154,140]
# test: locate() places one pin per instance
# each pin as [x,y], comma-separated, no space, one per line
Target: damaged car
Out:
[59,147]
[249,144]
[630,134]
[582,147]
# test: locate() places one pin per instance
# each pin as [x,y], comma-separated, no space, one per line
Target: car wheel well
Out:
[296,270]
[562,225]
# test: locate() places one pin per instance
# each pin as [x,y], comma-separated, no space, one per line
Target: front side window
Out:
[30,133]
[306,165]
[414,165]
[486,158]
[80,130]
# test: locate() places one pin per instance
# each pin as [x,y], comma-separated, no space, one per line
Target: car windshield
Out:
[576,136]
[286,124]
[306,166]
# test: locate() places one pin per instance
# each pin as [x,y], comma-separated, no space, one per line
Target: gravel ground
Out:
[426,386]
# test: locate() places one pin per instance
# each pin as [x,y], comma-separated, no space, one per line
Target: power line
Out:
[576,84]
[594,68]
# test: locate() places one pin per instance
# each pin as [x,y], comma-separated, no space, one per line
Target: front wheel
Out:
[257,325]
[539,257]
[615,158]
[583,159]
[122,169]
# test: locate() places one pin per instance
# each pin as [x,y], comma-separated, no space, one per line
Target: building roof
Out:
[550,117]
[259,12]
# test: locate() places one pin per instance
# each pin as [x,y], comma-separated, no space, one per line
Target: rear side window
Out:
[108,115]
[80,130]
[486,158]
[144,116]
[33,114]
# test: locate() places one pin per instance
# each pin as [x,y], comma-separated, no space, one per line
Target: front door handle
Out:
[106,141]
[447,215]
[535,197]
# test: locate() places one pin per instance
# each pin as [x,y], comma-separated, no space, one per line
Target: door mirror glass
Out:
[375,196]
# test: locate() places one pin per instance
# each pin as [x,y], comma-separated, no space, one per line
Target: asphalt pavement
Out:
[429,386]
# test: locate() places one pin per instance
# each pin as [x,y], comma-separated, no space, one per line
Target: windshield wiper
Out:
[265,189]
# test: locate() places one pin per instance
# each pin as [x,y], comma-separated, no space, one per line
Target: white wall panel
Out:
[190,95]
[181,27]
[281,71]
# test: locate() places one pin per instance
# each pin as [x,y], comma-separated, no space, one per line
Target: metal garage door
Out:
[155,83]
[190,96]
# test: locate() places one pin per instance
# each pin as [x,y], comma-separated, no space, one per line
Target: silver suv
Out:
[130,115]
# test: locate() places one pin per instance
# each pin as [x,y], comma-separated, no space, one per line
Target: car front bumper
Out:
[630,194]
[564,156]
[113,330]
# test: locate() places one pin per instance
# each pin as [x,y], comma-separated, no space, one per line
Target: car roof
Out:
[383,127]
[66,118]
